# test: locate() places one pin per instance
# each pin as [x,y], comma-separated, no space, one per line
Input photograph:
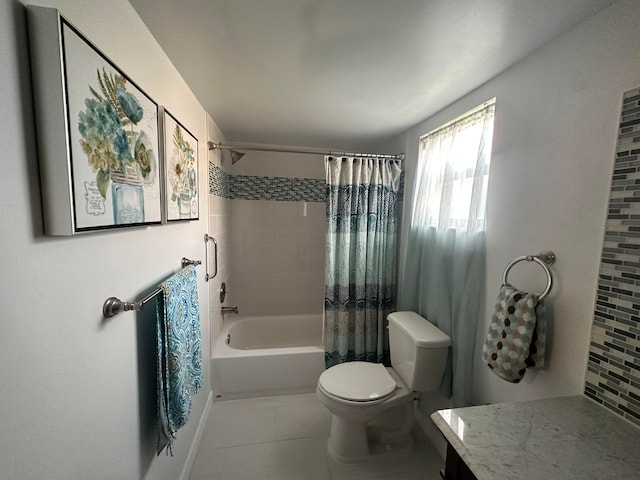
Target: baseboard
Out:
[265,393]
[193,450]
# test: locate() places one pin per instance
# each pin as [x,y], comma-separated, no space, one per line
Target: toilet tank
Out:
[419,350]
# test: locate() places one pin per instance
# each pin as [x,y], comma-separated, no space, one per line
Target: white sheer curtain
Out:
[445,257]
[453,174]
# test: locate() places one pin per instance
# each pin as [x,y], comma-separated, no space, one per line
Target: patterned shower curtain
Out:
[360,268]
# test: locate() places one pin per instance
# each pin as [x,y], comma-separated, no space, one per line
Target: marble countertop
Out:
[568,438]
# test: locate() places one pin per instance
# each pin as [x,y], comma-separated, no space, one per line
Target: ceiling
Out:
[345,74]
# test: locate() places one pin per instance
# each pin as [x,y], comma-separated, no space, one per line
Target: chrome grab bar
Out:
[208,277]
[225,310]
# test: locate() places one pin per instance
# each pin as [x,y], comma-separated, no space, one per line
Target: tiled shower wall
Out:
[276,232]
[613,371]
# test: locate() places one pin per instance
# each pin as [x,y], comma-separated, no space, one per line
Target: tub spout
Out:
[229,310]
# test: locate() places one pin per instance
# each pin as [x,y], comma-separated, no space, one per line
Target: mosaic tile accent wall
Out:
[613,370]
[246,187]
[218,181]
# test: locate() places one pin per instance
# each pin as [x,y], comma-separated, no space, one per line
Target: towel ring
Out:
[543,259]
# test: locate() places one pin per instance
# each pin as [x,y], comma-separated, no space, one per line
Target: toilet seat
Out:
[358,382]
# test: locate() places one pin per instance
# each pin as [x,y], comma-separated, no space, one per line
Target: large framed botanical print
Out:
[98,140]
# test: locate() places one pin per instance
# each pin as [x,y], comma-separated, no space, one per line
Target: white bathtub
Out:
[271,355]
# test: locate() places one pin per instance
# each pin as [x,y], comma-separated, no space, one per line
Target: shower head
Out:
[235,156]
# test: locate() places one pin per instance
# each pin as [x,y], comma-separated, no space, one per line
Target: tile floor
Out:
[284,438]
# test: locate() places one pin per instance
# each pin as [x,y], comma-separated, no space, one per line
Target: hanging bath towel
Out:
[179,357]
[517,335]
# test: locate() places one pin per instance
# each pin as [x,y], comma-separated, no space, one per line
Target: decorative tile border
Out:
[613,369]
[284,189]
[277,188]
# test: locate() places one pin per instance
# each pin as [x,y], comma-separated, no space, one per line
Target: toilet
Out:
[372,405]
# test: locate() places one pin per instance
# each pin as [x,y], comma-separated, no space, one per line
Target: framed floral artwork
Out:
[98,141]
[180,152]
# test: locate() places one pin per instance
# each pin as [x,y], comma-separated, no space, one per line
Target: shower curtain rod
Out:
[282,149]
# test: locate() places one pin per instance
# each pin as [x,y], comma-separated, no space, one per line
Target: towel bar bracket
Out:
[186,262]
[547,256]
[113,306]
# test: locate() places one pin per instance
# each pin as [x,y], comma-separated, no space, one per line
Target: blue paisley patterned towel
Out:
[179,358]
[517,335]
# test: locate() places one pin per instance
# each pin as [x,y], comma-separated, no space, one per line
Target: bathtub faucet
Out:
[229,310]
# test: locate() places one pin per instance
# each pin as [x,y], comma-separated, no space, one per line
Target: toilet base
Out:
[372,451]
[358,442]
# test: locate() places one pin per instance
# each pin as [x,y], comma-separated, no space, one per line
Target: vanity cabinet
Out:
[562,438]
[455,468]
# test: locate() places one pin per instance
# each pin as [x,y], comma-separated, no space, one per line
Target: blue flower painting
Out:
[110,138]
[118,150]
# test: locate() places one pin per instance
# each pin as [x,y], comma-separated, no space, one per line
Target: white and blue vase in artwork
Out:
[128,198]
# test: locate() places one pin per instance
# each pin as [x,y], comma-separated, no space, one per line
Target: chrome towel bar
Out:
[113,305]
[544,258]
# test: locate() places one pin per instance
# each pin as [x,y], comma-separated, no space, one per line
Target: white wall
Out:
[78,392]
[555,131]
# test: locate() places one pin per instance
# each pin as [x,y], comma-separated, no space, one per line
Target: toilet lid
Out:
[358,381]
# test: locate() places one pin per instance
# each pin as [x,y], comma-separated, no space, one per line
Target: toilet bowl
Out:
[372,405]
[358,429]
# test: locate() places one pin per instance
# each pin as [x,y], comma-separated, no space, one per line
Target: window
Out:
[453,173]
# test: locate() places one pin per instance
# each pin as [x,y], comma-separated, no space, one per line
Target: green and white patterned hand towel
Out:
[517,334]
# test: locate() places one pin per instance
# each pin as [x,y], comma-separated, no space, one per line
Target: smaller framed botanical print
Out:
[180,149]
